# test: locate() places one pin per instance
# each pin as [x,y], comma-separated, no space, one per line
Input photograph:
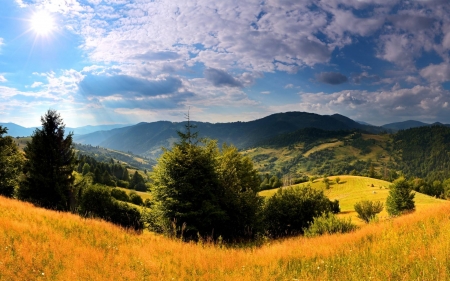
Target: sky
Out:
[128,61]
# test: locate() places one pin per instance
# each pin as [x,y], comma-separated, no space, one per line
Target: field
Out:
[38,244]
[352,189]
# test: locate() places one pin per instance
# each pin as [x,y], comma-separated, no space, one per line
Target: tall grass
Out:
[37,244]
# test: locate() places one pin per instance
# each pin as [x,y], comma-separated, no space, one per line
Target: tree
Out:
[367,210]
[137,182]
[48,171]
[400,198]
[11,161]
[212,193]
[86,169]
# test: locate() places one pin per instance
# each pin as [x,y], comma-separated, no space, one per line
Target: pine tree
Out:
[400,198]
[48,173]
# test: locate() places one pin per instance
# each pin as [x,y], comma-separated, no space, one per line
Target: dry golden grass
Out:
[37,244]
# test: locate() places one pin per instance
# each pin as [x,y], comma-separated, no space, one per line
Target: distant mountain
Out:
[15,130]
[148,138]
[404,125]
[90,129]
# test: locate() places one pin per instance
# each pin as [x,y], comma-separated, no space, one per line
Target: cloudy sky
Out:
[127,61]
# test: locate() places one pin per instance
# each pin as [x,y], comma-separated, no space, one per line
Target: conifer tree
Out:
[48,173]
[400,198]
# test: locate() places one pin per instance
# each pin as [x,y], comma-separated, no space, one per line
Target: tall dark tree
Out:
[11,161]
[49,180]
[209,192]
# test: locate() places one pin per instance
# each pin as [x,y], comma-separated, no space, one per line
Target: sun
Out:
[42,23]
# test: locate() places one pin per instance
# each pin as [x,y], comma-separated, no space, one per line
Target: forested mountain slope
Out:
[148,138]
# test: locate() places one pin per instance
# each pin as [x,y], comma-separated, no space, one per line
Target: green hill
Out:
[352,189]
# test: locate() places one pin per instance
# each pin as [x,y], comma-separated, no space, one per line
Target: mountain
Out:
[148,138]
[404,125]
[90,129]
[15,130]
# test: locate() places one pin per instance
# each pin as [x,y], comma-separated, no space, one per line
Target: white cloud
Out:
[265,92]
[2,78]
[436,73]
[36,84]
[425,102]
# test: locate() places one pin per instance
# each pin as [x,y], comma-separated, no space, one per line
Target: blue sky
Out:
[128,61]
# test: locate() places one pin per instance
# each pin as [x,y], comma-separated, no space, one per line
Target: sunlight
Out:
[42,23]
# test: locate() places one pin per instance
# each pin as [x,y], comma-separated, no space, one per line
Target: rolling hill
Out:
[39,244]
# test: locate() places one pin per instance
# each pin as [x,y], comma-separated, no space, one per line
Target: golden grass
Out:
[352,189]
[37,244]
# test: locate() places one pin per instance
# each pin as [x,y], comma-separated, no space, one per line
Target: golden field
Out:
[38,244]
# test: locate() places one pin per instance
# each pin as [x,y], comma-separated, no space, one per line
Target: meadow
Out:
[352,189]
[39,244]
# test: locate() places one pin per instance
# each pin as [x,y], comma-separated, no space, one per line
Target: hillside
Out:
[148,138]
[352,189]
[316,152]
[39,244]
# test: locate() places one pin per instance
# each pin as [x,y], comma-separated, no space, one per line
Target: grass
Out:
[38,244]
[352,189]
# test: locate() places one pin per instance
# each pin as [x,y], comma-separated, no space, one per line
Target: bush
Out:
[96,201]
[122,183]
[120,195]
[292,209]
[328,223]
[136,199]
[401,198]
[367,210]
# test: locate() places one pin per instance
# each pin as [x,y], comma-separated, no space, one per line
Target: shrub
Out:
[122,183]
[401,198]
[367,210]
[136,199]
[120,195]
[328,223]
[96,201]
[292,209]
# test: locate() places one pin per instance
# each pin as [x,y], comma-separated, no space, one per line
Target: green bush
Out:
[96,201]
[292,209]
[120,195]
[136,199]
[328,223]
[122,183]
[367,210]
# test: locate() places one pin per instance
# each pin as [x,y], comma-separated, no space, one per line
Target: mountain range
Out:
[15,130]
[147,138]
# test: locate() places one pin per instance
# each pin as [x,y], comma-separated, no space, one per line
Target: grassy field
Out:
[38,244]
[352,189]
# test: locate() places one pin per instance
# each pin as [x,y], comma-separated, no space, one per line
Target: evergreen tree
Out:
[11,161]
[137,182]
[209,192]
[400,198]
[48,173]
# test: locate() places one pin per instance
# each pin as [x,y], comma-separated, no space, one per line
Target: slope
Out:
[352,189]
[38,244]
